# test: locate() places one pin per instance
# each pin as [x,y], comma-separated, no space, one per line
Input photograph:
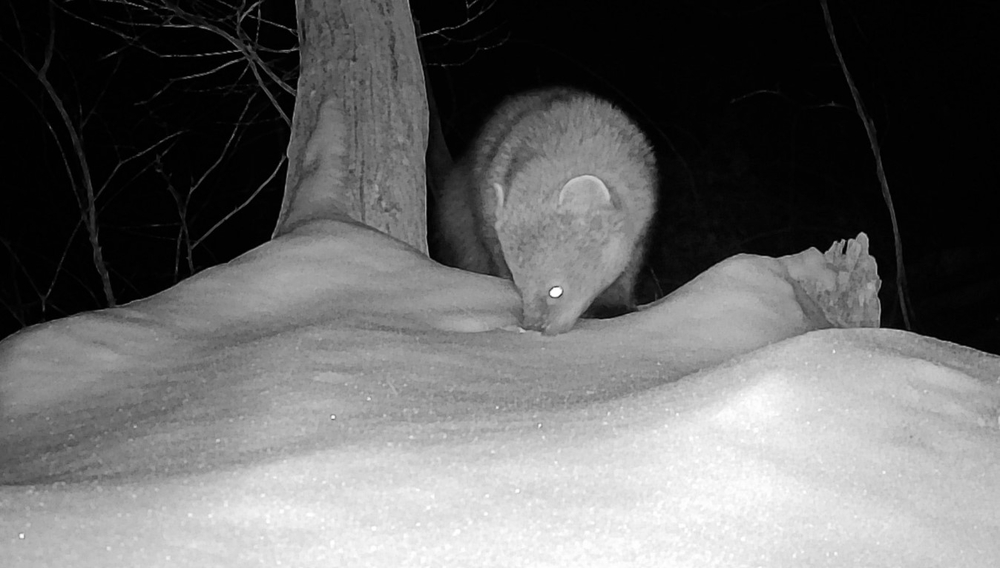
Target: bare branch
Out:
[88,206]
[869,125]
[246,202]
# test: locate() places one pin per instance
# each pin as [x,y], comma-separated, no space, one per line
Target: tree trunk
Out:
[359,130]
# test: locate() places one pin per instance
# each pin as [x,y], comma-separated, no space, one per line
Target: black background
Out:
[759,141]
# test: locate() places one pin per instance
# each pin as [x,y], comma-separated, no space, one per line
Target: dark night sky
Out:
[755,129]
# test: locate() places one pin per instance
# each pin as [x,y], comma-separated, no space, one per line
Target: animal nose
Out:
[534,314]
[534,323]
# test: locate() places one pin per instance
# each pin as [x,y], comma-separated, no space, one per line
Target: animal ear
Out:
[499,190]
[584,193]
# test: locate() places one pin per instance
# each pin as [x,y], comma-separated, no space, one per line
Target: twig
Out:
[879,169]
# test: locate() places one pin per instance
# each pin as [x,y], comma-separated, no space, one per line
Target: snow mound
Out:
[335,398]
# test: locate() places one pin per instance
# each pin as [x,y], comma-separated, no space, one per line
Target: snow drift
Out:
[334,398]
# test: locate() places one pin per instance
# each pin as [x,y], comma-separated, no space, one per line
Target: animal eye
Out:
[555,292]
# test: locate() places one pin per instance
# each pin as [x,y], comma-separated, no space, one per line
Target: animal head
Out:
[562,252]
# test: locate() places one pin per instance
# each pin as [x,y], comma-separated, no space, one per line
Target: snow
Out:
[333,398]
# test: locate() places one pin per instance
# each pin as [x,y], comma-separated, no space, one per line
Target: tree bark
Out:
[359,130]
